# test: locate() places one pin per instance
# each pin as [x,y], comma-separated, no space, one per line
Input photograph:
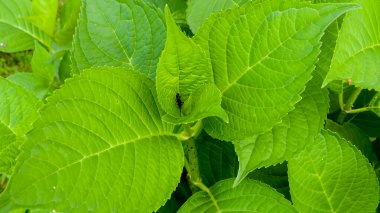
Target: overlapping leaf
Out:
[184,74]
[130,34]
[262,60]
[295,131]
[199,10]
[332,176]
[357,53]
[16,33]
[17,113]
[249,196]
[99,146]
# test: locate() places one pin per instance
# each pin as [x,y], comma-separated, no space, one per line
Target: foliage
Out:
[190,106]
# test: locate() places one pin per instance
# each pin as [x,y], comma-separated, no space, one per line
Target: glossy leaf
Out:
[249,196]
[130,34]
[360,60]
[261,75]
[16,32]
[332,176]
[184,75]
[111,152]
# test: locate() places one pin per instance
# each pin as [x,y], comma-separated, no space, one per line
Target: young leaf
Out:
[332,176]
[17,113]
[99,146]
[184,74]
[16,33]
[68,21]
[295,131]
[198,10]
[44,15]
[360,60]
[249,196]
[130,34]
[262,56]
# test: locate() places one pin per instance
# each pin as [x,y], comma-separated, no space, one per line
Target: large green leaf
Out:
[184,74]
[16,33]
[44,15]
[295,131]
[332,176]
[249,196]
[100,146]
[17,113]
[357,53]
[260,74]
[199,10]
[68,21]
[130,34]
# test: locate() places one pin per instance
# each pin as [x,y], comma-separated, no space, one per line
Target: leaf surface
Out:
[360,60]
[110,33]
[19,34]
[184,76]
[100,145]
[249,196]
[332,176]
[262,55]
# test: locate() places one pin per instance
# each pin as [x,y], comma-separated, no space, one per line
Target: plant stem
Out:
[351,100]
[191,132]
[346,108]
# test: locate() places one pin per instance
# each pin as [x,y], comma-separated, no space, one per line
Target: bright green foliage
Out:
[260,74]
[44,14]
[332,176]
[178,8]
[99,146]
[16,32]
[357,53]
[184,69]
[18,111]
[355,135]
[130,34]
[199,10]
[290,136]
[39,82]
[68,21]
[249,196]
[375,104]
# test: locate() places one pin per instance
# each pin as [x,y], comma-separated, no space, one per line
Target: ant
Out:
[179,102]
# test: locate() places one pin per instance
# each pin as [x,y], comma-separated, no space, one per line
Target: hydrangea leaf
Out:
[18,111]
[130,34]
[198,10]
[360,60]
[260,74]
[184,76]
[332,176]
[17,33]
[100,145]
[249,196]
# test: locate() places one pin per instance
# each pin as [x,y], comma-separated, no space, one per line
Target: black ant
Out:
[179,102]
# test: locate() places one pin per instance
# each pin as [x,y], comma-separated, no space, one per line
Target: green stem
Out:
[351,100]
[346,108]
[341,98]
[191,132]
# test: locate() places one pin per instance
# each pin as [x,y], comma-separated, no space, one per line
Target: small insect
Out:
[179,102]
[349,81]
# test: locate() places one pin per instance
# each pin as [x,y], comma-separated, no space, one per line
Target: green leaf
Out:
[184,69]
[261,75]
[249,196]
[110,33]
[18,111]
[198,10]
[355,135]
[360,30]
[332,176]
[290,136]
[368,122]
[178,8]
[274,176]
[44,15]
[21,33]
[68,21]
[374,105]
[217,160]
[111,152]
[38,83]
